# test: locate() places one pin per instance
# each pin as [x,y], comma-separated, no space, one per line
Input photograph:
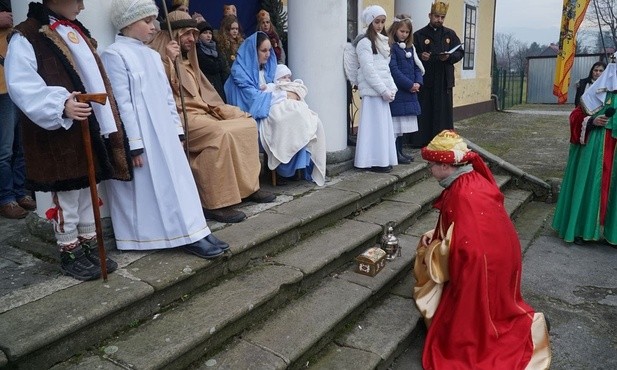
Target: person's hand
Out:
[76,110]
[425,56]
[6,19]
[292,95]
[138,161]
[425,240]
[600,120]
[415,87]
[388,96]
[443,57]
[172,49]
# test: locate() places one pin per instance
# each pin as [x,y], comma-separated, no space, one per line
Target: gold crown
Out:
[439,8]
[448,140]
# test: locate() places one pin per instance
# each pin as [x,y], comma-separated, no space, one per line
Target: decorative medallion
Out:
[447,40]
[72,36]
[427,41]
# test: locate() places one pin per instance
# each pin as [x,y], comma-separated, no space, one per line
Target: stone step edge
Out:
[337,356]
[376,287]
[398,179]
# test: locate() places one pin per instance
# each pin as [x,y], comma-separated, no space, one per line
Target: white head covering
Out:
[372,12]
[594,97]
[126,12]
[281,71]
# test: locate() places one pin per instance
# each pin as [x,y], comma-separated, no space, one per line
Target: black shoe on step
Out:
[91,251]
[204,249]
[75,263]
[216,241]
[402,159]
[226,215]
[379,169]
[261,196]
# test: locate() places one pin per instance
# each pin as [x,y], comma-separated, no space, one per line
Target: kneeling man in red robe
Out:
[468,272]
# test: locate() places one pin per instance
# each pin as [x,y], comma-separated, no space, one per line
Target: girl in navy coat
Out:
[407,70]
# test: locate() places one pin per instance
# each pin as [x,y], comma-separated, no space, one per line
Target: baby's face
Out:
[286,78]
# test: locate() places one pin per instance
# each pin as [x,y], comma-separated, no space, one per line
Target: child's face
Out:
[234,30]
[379,23]
[69,9]
[265,25]
[205,36]
[142,30]
[403,33]
[286,78]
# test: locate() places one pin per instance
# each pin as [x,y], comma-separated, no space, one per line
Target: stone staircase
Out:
[285,297]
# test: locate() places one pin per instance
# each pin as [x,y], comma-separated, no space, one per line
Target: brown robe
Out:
[223,140]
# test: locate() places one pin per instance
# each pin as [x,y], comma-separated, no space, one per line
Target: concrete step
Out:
[148,282]
[393,326]
[301,329]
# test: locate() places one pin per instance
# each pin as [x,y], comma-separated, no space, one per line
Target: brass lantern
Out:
[389,241]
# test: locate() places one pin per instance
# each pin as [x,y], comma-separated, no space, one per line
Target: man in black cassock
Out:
[433,44]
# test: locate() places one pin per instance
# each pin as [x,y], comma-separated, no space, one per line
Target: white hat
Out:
[126,12]
[372,12]
[281,71]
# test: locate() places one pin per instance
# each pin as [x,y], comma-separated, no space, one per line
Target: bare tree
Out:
[603,15]
[504,49]
[520,51]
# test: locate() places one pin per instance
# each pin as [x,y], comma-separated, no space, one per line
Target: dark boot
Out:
[402,159]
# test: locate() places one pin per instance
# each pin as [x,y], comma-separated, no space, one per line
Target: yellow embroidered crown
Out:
[439,8]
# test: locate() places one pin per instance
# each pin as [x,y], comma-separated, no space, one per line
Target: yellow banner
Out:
[571,19]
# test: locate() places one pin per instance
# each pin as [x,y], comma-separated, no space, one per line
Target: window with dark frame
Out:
[352,19]
[470,36]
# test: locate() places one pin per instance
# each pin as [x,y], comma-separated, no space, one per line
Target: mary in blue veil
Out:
[243,88]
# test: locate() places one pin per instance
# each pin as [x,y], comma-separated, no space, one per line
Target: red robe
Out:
[481,321]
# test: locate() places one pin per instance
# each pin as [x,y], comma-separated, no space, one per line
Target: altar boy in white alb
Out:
[160,208]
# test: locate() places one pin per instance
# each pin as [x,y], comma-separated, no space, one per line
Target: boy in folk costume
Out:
[468,272]
[160,207]
[51,59]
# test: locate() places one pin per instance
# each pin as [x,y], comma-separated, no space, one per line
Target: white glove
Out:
[388,96]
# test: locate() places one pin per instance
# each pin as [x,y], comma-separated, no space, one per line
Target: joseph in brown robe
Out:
[223,141]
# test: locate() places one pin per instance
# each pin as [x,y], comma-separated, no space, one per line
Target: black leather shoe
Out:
[216,241]
[402,159]
[261,196]
[226,215]
[380,169]
[204,249]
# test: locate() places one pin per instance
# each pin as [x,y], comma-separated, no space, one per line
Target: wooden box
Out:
[371,261]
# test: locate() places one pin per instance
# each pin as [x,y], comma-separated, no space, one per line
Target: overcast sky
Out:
[530,20]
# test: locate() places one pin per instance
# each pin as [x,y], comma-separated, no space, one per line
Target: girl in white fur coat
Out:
[375,146]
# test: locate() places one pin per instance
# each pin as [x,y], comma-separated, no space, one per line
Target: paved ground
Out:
[575,286]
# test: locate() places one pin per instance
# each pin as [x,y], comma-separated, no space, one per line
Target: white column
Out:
[418,9]
[317,34]
[96,18]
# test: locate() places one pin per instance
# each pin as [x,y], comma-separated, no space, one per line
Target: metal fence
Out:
[541,76]
[509,87]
